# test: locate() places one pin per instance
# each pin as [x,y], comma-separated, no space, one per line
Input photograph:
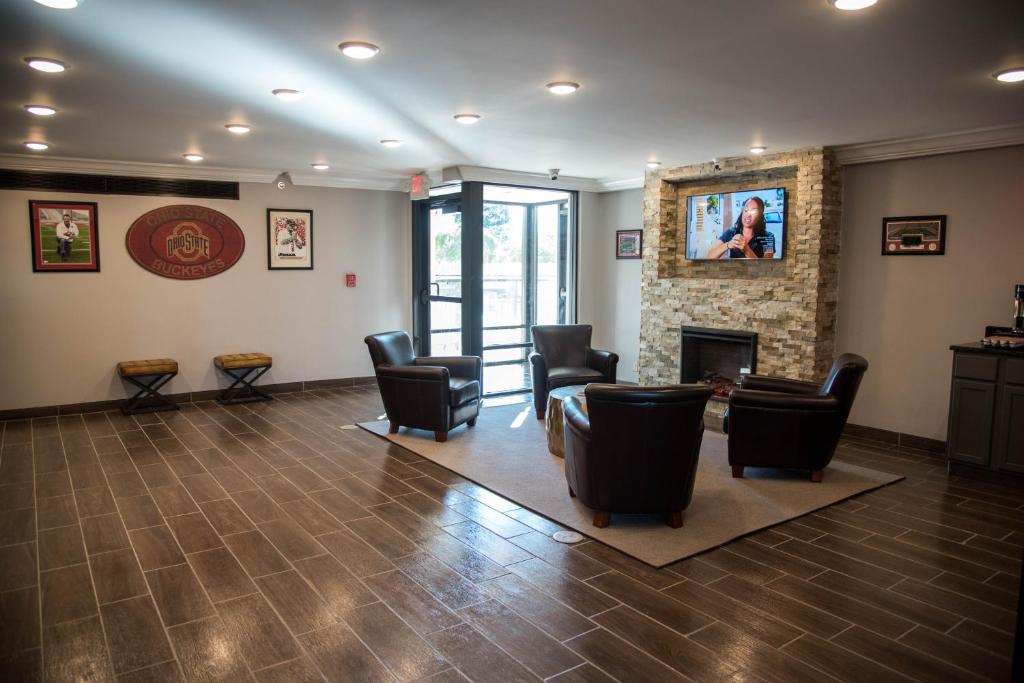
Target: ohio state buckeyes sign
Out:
[185,242]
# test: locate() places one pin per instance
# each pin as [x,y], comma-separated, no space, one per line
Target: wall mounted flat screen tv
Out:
[736,225]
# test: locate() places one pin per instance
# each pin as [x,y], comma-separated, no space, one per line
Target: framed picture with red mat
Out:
[65,236]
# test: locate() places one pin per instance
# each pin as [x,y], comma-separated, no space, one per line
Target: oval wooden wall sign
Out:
[185,242]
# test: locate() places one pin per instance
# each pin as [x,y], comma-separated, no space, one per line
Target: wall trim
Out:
[928,145]
[505,177]
[24,162]
[186,397]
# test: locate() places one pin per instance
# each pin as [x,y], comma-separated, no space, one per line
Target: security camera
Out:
[717,167]
[553,173]
[283,180]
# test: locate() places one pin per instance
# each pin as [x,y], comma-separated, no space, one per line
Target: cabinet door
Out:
[1009,453]
[971,414]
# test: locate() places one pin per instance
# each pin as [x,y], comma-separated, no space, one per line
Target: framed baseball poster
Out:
[289,239]
[914,236]
[629,243]
[65,236]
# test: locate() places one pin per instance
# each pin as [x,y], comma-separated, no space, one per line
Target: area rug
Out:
[507,453]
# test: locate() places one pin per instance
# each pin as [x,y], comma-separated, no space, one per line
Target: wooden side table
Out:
[554,422]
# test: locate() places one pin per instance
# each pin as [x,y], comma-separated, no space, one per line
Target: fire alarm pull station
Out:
[350,279]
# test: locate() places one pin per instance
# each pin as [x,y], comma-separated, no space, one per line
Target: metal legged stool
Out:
[159,371]
[244,369]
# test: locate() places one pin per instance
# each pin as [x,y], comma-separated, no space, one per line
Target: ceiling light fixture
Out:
[50,66]
[563,87]
[467,119]
[758,149]
[653,164]
[320,167]
[193,157]
[37,146]
[391,144]
[40,109]
[355,49]
[59,4]
[851,5]
[288,94]
[1015,75]
[238,128]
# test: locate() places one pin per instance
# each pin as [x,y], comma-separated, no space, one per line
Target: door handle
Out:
[434,284]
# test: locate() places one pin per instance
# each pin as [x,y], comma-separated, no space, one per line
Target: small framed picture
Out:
[914,236]
[629,243]
[289,239]
[65,236]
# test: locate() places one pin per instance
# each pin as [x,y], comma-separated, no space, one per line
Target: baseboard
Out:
[187,397]
[895,438]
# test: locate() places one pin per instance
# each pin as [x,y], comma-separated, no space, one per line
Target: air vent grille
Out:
[99,184]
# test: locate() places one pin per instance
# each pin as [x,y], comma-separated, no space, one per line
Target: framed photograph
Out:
[914,236]
[289,239]
[629,243]
[65,236]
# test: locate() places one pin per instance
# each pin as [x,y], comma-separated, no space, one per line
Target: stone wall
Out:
[790,303]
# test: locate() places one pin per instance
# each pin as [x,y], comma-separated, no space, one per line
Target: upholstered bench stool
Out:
[244,369]
[160,371]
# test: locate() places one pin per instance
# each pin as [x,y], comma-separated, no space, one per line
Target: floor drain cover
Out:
[567,537]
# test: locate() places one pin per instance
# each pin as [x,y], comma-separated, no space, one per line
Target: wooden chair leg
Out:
[602,519]
[737,471]
[392,428]
[440,436]
[471,423]
[540,414]
[572,494]
[816,476]
[674,519]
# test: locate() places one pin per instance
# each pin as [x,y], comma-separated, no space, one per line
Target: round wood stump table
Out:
[554,421]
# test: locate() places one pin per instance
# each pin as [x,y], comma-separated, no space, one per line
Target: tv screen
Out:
[736,225]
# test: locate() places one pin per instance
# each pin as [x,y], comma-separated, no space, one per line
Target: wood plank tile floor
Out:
[270,542]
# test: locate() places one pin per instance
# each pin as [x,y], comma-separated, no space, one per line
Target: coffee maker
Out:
[1017,330]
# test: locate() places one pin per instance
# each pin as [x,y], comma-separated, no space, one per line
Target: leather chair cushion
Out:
[558,377]
[462,390]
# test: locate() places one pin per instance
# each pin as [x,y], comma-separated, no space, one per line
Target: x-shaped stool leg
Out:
[242,377]
[149,390]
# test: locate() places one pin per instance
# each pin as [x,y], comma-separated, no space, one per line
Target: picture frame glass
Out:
[65,236]
[289,239]
[628,243]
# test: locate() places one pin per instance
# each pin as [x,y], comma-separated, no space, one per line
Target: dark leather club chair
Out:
[431,392]
[789,423]
[637,450]
[562,357]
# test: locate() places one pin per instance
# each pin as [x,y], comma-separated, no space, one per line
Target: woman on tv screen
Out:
[748,238]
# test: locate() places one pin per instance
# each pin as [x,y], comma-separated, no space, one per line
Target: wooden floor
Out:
[269,542]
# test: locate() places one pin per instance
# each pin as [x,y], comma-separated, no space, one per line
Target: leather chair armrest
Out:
[427,373]
[575,418]
[539,379]
[604,362]
[463,367]
[537,364]
[779,384]
[753,398]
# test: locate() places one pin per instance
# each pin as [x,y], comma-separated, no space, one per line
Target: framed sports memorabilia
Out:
[65,236]
[914,236]
[289,239]
[185,242]
[629,243]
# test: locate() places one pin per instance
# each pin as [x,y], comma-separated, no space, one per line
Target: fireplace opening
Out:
[718,358]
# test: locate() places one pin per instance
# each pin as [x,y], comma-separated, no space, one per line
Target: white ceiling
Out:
[680,81]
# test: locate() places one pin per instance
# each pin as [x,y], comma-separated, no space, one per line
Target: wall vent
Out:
[112,184]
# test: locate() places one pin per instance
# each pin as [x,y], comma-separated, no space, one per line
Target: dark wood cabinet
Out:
[986,409]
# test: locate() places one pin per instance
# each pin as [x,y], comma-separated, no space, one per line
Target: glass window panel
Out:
[548,295]
[445,253]
[504,290]
[445,328]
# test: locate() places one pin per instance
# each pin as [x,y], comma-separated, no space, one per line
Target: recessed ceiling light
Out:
[38,146]
[653,164]
[288,95]
[467,119]
[358,50]
[1015,75]
[40,109]
[193,157]
[391,144]
[59,4]
[758,149]
[320,167]
[563,87]
[852,5]
[238,128]
[50,66]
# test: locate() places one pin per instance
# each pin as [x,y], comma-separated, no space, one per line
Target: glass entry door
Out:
[443,292]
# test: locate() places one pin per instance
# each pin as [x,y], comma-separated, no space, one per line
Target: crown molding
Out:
[928,145]
[497,175]
[24,162]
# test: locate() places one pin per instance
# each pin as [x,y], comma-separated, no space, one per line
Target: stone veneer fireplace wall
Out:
[790,303]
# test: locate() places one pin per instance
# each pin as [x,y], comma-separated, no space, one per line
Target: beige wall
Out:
[63,333]
[902,313]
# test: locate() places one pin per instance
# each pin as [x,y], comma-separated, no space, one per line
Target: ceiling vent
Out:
[112,184]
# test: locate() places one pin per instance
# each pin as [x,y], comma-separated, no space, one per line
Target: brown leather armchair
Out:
[431,392]
[636,451]
[789,423]
[562,357]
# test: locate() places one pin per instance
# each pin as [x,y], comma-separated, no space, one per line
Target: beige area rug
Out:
[507,453]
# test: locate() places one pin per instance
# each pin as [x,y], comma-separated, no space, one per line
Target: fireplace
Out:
[717,358]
